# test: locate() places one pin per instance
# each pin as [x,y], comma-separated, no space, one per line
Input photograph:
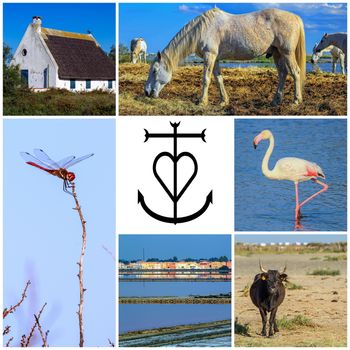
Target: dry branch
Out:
[34,326]
[81,268]
[6,330]
[111,343]
[43,336]
[9,342]
[6,312]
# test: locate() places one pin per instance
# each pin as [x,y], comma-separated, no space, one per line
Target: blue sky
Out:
[158,23]
[42,234]
[291,238]
[166,246]
[98,18]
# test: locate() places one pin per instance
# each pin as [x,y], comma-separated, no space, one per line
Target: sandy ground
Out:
[322,300]
[250,90]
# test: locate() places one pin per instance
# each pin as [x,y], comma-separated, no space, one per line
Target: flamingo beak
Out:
[256,141]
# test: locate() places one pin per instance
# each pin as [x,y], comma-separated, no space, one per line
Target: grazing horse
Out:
[138,47]
[337,55]
[217,35]
[339,40]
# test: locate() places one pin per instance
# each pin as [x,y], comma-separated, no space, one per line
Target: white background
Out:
[215,172]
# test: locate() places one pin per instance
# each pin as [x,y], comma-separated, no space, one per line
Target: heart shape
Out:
[175,160]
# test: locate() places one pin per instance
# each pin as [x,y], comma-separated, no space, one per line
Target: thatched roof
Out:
[78,56]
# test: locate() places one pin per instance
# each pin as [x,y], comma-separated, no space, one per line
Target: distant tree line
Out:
[175,259]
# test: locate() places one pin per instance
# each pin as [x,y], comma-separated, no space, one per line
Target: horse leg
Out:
[295,72]
[341,59]
[282,74]
[334,65]
[209,61]
[220,83]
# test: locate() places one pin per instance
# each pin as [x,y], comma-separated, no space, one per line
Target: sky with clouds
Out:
[158,23]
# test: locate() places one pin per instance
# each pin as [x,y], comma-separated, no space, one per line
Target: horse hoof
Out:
[223,103]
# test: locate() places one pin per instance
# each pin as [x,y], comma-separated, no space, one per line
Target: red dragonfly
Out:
[59,169]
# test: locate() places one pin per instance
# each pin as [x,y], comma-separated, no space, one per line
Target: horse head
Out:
[158,77]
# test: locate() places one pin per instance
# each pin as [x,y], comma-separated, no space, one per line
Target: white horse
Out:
[337,55]
[217,35]
[138,48]
[339,40]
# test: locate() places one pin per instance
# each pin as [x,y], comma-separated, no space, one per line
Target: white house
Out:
[50,58]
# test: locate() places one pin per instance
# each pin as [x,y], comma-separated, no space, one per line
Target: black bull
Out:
[267,293]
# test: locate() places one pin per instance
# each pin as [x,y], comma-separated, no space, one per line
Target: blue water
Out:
[325,66]
[212,343]
[268,205]
[147,289]
[146,316]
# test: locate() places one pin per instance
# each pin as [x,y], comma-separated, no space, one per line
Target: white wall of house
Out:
[80,85]
[36,59]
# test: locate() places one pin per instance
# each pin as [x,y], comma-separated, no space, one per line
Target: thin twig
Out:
[109,252]
[9,342]
[81,269]
[6,330]
[23,341]
[34,326]
[43,337]
[6,312]
[111,343]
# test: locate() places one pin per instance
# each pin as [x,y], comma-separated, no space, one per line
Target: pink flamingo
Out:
[292,169]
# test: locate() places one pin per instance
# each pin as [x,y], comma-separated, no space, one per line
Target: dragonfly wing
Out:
[41,155]
[31,160]
[63,162]
[77,160]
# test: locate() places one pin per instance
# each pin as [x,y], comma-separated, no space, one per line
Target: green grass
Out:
[295,322]
[315,258]
[245,290]
[324,272]
[59,102]
[293,286]
[250,249]
[242,329]
[335,258]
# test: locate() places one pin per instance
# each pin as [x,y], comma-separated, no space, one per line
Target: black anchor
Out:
[174,195]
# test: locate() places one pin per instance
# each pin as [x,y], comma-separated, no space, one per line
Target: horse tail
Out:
[300,53]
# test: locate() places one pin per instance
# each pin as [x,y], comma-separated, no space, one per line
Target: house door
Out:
[45,78]
[25,76]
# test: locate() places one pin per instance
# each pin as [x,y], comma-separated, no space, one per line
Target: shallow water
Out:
[216,342]
[147,289]
[146,316]
[325,66]
[268,205]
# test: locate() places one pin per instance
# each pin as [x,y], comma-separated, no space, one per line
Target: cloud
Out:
[193,8]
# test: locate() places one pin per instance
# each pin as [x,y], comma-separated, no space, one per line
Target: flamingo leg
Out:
[297,206]
[325,187]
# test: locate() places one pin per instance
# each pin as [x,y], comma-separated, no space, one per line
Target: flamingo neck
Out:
[265,163]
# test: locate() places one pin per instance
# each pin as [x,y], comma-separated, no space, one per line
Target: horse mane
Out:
[184,41]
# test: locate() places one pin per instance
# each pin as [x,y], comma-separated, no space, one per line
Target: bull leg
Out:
[295,72]
[282,74]
[263,314]
[209,61]
[272,322]
[220,83]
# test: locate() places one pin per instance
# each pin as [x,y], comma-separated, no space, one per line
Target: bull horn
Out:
[284,269]
[261,267]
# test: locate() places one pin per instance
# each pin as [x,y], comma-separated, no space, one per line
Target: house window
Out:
[25,76]
[72,84]
[45,78]
[24,52]
[88,84]
[110,84]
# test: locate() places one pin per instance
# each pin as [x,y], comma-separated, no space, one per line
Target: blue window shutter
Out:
[110,84]
[88,84]
[72,84]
